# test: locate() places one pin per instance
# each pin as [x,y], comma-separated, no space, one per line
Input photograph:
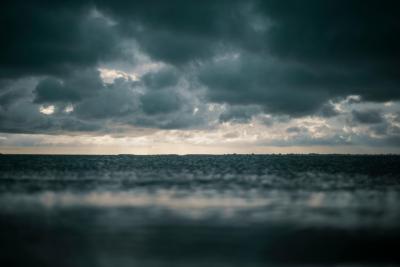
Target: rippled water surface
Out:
[234,210]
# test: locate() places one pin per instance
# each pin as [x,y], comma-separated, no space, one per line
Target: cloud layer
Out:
[116,67]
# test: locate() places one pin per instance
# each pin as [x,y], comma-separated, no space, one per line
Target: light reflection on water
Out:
[338,208]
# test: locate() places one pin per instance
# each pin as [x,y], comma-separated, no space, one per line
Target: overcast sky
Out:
[183,76]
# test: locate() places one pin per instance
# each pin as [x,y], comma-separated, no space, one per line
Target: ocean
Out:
[199,210]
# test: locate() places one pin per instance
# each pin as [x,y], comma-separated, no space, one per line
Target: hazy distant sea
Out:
[233,210]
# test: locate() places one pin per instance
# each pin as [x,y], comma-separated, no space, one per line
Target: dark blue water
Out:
[237,210]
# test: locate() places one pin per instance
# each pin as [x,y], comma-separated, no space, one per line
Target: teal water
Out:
[233,210]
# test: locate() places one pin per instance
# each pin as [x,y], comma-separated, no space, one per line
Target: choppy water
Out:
[199,210]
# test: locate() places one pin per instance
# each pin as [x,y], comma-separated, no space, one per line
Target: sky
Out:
[211,76]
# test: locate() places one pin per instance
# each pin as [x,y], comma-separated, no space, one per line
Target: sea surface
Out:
[231,210]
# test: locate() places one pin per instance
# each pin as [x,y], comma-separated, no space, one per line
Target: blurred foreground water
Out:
[233,210]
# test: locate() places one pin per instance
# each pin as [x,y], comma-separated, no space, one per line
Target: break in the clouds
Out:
[258,73]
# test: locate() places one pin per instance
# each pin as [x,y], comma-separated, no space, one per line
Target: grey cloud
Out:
[334,32]
[335,55]
[328,110]
[97,106]
[24,117]
[179,32]
[116,100]
[355,37]
[184,118]
[380,129]
[282,87]
[296,129]
[385,130]
[266,120]
[286,58]
[11,96]
[54,38]
[370,116]
[52,90]
[176,48]
[155,102]
[164,78]
[13,91]
[239,114]
[249,79]
[74,87]
[397,117]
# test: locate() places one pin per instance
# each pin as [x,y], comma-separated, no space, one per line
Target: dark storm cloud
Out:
[380,129]
[335,32]
[10,97]
[155,102]
[74,87]
[52,37]
[81,102]
[24,117]
[370,116]
[389,134]
[249,79]
[357,37]
[292,88]
[177,31]
[283,57]
[328,110]
[239,114]
[161,79]
[115,100]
